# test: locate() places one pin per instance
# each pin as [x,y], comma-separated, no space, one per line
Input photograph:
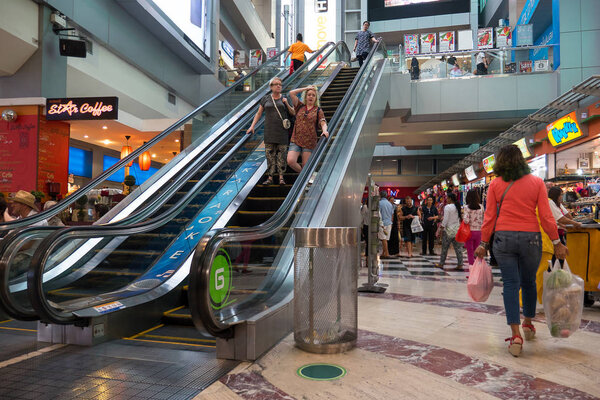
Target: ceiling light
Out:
[105,127]
[85,136]
[106,142]
[176,140]
[153,155]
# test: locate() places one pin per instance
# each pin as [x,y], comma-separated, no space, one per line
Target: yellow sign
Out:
[564,130]
[488,163]
[523,147]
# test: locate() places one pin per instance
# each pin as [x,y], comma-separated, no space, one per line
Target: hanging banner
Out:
[255,58]
[522,145]
[485,38]
[446,41]
[470,173]
[271,52]
[82,108]
[455,180]
[239,59]
[488,163]
[503,37]
[319,23]
[564,130]
[428,43]
[411,44]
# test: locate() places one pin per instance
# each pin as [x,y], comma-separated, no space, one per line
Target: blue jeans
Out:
[518,255]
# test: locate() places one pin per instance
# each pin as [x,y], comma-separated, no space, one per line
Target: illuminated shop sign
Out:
[522,145]
[227,48]
[564,130]
[444,184]
[538,166]
[82,108]
[488,163]
[470,173]
[455,180]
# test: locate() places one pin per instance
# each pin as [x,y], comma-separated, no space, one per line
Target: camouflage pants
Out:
[276,158]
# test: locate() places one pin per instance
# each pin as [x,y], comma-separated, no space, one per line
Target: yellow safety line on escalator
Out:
[181,338]
[17,329]
[174,309]
[181,344]
[146,331]
[60,290]
[8,320]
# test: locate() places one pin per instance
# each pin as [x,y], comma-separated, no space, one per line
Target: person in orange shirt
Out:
[297,51]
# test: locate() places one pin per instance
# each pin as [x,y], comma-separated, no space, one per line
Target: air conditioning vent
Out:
[172,98]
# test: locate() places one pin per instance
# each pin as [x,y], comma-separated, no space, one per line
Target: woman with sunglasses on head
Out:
[276,126]
[309,116]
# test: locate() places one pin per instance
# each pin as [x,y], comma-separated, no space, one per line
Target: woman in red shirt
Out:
[511,216]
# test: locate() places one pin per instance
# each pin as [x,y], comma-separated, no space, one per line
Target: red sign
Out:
[18,153]
[53,155]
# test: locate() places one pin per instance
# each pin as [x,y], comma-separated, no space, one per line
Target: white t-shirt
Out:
[450,217]
[558,213]
[480,57]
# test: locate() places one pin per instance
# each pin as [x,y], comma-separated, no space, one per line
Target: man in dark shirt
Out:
[362,43]
[430,216]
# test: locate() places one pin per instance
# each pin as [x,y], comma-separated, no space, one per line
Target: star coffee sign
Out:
[82,108]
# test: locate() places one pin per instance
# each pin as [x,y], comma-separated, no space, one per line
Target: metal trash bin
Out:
[326,262]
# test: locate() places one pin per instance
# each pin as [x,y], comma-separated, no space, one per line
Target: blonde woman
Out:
[277,110]
[308,116]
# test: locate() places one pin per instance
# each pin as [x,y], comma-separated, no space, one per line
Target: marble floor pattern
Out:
[424,338]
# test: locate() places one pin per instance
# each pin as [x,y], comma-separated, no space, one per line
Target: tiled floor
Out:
[424,338]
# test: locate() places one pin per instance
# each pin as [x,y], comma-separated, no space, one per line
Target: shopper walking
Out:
[277,112]
[450,225]
[512,201]
[473,216]
[362,43]
[408,212]
[394,242]
[385,210]
[297,51]
[430,217]
[308,117]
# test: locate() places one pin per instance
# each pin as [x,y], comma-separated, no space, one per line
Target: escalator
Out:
[155,197]
[147,263]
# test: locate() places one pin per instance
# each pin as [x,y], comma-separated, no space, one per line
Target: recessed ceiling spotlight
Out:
[104,127]
[85,136]
[154,155]
[176,140]
[106,141]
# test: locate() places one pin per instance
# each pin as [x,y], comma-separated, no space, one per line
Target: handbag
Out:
[464,233]
[415,226]
[286,122]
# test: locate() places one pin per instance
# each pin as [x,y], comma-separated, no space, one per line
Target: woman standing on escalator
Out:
[277,123]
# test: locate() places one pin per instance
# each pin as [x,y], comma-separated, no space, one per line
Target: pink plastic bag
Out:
[481,282]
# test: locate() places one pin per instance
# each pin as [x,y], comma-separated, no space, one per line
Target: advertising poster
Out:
[239,59]
[428,43]
[53,154]
[485,38]
[488,163]
[524,35]
[541,65]
[411,44]
[470,173]
[503,37]
[18,152]
[525,66]
[564,130]
[319,23]
[271,52]
[447,41]
[255,58]
[465,40]
[455,180]
[538,166]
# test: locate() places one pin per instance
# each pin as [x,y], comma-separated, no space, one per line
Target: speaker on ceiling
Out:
[72,48]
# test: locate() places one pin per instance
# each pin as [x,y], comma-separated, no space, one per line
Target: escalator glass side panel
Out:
[257,264]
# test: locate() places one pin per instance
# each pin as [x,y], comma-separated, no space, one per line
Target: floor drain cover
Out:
[321,372]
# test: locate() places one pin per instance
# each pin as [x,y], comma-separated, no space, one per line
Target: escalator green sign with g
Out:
[220,280]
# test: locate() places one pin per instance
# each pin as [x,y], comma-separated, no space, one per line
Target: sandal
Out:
[515,346]
[438,265]
[269,181]
[529,331]
[281,181]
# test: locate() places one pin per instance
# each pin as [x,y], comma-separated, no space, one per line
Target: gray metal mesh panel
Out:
[325,298]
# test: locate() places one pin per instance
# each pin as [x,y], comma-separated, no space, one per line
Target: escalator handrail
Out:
[210,243]
[43,215]
[44,250]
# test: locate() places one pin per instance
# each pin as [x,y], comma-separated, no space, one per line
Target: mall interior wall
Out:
[579,41]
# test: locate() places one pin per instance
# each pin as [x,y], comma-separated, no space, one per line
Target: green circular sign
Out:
[220,279]
[321,372]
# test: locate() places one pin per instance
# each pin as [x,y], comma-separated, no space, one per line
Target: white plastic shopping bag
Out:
[481,281]
[563,300]
[415,225]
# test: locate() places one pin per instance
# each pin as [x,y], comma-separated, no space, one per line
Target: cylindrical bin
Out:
[326,262]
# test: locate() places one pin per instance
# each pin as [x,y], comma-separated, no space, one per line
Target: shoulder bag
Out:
[286,122]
